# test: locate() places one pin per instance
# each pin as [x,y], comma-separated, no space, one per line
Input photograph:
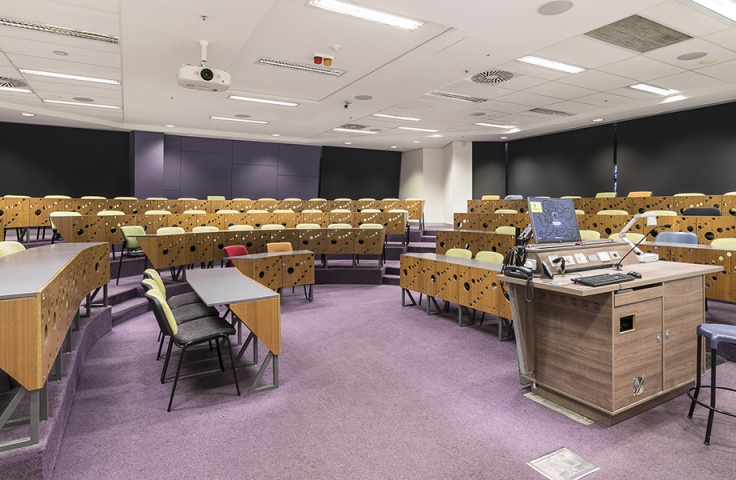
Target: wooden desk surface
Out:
[496,267]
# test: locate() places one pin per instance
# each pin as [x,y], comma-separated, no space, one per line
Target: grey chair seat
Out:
[184,299]
[200,328]
[193,311]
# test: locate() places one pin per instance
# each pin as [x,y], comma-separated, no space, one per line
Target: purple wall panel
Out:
[211,145]
[148,163]
[299,160]
[298,187]
[172,194]
[255,153]
[172,163]
[205,173]
[255,181]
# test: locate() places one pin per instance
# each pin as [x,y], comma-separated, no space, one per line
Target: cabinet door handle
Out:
[667,335]
[659,338]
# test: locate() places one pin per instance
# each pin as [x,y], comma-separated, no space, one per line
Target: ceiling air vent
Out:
[353,126]
[305,67]
[638,34]
[12,83]
[41,27]
[556,113]
[492,76]
[457,96]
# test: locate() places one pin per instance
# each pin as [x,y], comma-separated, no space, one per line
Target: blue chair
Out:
[677,237]
[714,334]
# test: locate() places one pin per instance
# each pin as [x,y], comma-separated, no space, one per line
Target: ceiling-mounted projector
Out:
[200,77]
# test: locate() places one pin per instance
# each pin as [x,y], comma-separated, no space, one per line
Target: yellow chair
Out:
[633,237]
[339,225]
[343,200]
[256,210]
[215,197]
[240,228]
[459,253]
[612,212]
[366,199]
[279,247]
[242,199]
[729,194]
[88,197]
[487,256]
[226,211]
[10,247]
[571,197]
[157,212]
[109,213]
[283,210]
[663,213]
[340,210]
[391,200]
[266,199]
[311,210]
[170,231]
[54,230]
[205,229]
[605,195]
[491,197]
[272,226]
[130,244]
[126,198]
[589,235]
[194,212]
[317,199]
[187,198]
[724,243]
[640,194]
[292,199]
[506,211]
[373,226]
[370,210]
[506,230]
[579,212]
[305,226]
[66,197]
[689,195]
[157,198]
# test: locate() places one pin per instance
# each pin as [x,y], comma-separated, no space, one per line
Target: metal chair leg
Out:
[176,379]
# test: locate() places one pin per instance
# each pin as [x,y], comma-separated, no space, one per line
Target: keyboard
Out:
[603,279]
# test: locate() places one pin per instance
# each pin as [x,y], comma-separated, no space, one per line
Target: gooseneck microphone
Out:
[619,265]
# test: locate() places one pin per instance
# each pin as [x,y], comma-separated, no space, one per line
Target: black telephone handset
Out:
[518,272]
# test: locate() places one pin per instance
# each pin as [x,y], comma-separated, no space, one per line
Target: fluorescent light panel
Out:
[395,117]
[652,89]
[543,62]
[348,130]
[418,129]
[482,124]
[16,90]
[262,100]
[722,7]
[67,76]
[81,104]
[366,13]
[243,120]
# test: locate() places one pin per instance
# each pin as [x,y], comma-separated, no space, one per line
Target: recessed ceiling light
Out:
[16,90]
[543,62]
[721,7]
[674,98]
[366,13]
[348,143]
[555,8]
[169,126]
[504,138]
[708,61]
[275,134]
[477,114]
[43,27]
[394,146]
[81,104]
[242,115]
[415,141]
[418,129]
[228,119]
[305,67]
[61,52]
[652,89]
[56,97]
[482,124]
[348,130]
[67,76]
[363,97]
[28,114]
[597,120]
[84,99]
[692,56]
[262,100]
[395,117]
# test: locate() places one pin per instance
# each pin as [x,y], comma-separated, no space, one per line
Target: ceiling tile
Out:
[725,38]
[10,72]
[641,68]
[632,93]
[60,66]
[574,107]
[532,70]
[521,120]
[684,18]
[722,71]
[560,90]
[585,52]
[686,81]
[432,105]
[76,88]
[596,80]
[670,53]
[607,100]
[46,50]
[503,107]
[20,99]
[521,82]
[467,87]
[530,99]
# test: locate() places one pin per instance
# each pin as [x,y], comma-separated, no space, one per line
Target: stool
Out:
[715,334]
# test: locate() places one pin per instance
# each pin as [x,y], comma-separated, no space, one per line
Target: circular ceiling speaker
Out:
[363,97]
[492,76]
[555,8]
[477,114]
[242,115]
[692,55]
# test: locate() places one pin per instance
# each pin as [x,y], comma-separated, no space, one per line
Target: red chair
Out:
[234,251]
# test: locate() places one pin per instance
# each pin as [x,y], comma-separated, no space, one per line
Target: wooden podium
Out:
[614,351]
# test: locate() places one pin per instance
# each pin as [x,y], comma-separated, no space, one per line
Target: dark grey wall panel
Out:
[255,153]
[579,162]
[172,194]
[357,173]
[299,160]
[690,151]
[489,169]
[148,163]
[205,173]
[255,181]
[299,187]
[172,163]
[202,144]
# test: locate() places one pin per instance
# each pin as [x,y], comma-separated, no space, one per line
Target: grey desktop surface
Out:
[24,273]
[220,286]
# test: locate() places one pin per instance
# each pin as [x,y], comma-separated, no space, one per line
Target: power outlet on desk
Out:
[647,257]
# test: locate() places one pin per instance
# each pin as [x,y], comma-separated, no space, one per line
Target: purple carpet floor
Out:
[368,390]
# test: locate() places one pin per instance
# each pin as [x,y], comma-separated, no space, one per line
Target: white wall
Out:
[412,171]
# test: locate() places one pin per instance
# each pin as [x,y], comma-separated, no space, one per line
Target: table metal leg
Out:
[58,368]
[430,301]
[38,403]
[255,388]
[250,338]
[404,293]
[460,311]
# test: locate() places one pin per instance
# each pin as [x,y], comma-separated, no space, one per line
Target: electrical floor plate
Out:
[562,464]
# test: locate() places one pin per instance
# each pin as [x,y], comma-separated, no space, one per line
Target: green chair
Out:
[54,231]
[130,247]
[239,228]
[589,235]
[605,195]
[10,247]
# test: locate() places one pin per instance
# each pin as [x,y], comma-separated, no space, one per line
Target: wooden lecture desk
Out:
[41,290]
[255,305]
[279,269]
[613,351]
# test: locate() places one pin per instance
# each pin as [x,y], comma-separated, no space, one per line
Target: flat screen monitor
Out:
[553,220]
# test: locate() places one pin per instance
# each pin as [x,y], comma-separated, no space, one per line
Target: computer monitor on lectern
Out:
[553,220]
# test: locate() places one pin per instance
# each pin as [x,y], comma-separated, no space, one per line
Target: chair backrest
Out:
[126,198]
[205,229]
[311,210]
[242,199]
[391,200]
[605,194]
[154,275]
[612,212]
[162,312]
[702,212]
[639,194]
[570,197]
[677,237]
[339,225]
[17,196]
[514,197]
[589,235]
[579,212]
[150,284]
[129,233]
[265,199]
[366,199]
[396,210]
[257,211]
[486,256]
[283,210]
[340,210]
[187,198]
[459,252]
[506,230]
[726,243]
[343,200]
[10,247]
[506,211]
[234,251]
[272,226]
[491,197]
[53,215]
[662,213]
[305,226]
[194,212]
[317,199]
[170,231]
[109,213]
[156,198]
[633,237]
[236,228]
[215,197]
[157,212]
[90,197]
[370,210]
[279,247]
[225,211]
[58,196]
[689,195]
[292,199]
[371,225]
